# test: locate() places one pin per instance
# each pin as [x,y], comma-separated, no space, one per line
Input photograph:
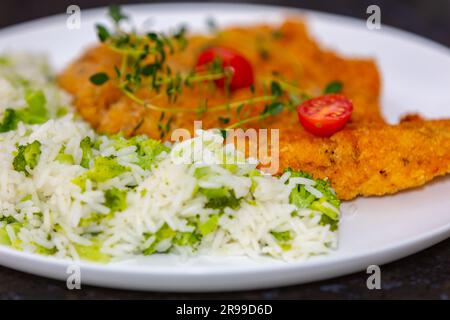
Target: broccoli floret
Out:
[318,206]
[324,186]
[27,157]
[10,120]
[299,174]
[7,219]
[86,148]
[147,149]
[116,199]
[34,113]
[220,198]
[325,219]
[187,239]
[301,198]
[104,168]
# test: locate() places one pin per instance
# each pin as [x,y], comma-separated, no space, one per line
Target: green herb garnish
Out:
[27,157]
[333,87]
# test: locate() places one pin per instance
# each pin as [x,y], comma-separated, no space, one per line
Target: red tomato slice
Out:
[325,115]
[242,70]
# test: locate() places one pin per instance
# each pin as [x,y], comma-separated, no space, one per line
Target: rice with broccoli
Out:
[69,192]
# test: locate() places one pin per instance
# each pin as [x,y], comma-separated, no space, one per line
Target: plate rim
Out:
[135,6]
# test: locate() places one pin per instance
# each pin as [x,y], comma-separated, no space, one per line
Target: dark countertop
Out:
[425,275]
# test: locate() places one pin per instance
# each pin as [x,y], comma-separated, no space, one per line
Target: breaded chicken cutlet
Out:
[367,157]
[287,51]
[372,160]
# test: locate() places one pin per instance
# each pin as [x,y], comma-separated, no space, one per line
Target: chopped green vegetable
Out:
[220,198]
[201,172]
[7,219]
[251,174]
[283,239]
[333,87]
[92,252]
[146,149]
[116,199]
[303,199]
[164,233]
[4,238]
[233,168]
[61,112]
[86,148]
[94,219]
[45,251]
[34,113]
[324,186]
[64,157]
[10,120]
[318,206]
[187,239]
[36,107]
[325,219]
[299,196]
[282,236]
[27,156]
[104,168]
[209,225]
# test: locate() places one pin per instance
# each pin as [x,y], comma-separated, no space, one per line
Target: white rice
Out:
[50,208]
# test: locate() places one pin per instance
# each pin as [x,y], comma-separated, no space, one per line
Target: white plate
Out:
[416,76]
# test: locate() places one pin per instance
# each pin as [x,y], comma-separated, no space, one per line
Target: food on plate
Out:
[325,115]
[373,160]
[240,68]
[285,56]
[70,192]
[94,175]
[326,106]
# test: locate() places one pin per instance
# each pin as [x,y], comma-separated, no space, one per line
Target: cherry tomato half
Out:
[325,115]
[242,71]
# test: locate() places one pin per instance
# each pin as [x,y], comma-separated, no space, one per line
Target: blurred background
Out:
[425,17]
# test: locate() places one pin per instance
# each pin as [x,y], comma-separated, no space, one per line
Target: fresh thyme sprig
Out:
[144,65]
